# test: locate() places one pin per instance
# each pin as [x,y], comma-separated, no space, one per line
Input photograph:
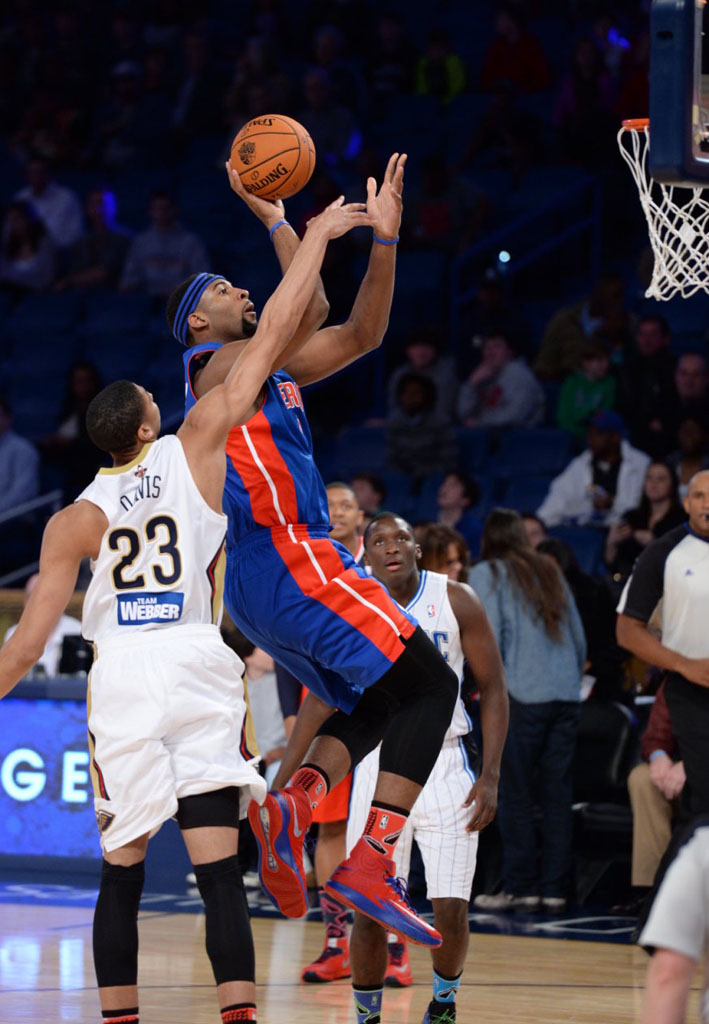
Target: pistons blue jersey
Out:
[271,478]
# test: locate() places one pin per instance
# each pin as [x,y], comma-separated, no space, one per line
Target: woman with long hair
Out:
[543,648]
[444,550]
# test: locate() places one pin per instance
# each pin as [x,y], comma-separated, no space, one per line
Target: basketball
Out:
[274,156]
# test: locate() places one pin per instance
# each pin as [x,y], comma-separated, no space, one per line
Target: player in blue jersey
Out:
[301,597]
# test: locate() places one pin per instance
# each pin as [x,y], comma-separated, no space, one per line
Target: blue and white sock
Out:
[445,989]
[368,1004]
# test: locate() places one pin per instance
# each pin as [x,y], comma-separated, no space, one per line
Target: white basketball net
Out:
[678,223]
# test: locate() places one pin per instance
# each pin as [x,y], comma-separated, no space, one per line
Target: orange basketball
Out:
[274,156]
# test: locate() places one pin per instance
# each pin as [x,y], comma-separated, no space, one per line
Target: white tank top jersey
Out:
[161,561]
[431,606]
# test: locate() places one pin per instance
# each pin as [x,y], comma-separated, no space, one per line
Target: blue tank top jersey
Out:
[272,479]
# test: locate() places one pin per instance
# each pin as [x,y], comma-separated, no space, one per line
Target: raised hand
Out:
[340,217]
[385,206]
[268,211]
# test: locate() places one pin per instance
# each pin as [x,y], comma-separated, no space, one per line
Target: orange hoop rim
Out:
[636,124]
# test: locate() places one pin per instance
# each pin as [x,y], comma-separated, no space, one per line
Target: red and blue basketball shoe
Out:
[366,882]
[279,826]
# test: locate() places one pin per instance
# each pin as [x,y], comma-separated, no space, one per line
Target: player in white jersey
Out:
[453,806]
[165,702]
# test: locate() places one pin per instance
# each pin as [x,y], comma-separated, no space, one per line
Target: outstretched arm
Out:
[70,535]
[482,654]
[335,347]
[285,242]
[233,402]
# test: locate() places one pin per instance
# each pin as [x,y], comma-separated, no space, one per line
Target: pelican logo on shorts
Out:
[104,820]
[137,609]
[246,152]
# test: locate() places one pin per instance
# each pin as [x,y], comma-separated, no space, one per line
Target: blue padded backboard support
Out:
[675,68]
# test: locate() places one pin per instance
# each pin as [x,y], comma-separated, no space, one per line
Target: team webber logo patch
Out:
[136,609]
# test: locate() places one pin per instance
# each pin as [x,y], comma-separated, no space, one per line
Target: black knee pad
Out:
[230,944]
[363,728]
[115,932]
[220,807]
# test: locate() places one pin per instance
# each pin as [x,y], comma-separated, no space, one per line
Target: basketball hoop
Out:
[677,219]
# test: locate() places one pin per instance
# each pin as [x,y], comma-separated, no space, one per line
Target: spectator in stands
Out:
[334,131]
[535,528]
[515,55]
[491,311]
[457,495]
[654,786]
[27,255]
[19,463]
[424,356]
[446,211]
[265,708]
[69,447]
[658,512]
[163,255]
[541,639]
[504,135]
[49,661]
[118,135]
[198,106]
[596,606]
[96,260]
[584,108]
[590,388]
[692,454]
[601,484]
[421,441]
[646,389]
[440,71]
[445,550]
[391,61]
[692,384]
[370,491]
[348,88]
[571,327]
[58,207]
[502,391]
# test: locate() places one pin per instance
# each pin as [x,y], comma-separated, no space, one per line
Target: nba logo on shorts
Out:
[431,609]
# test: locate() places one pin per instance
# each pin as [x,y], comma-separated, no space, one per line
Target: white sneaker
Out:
[503,901]
[554,904]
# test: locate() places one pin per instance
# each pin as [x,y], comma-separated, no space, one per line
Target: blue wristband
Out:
[385,241]
[657,753]
[279,224]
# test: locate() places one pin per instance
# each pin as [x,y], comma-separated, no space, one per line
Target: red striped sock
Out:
[383,827]
[314,781]
[127,1016]
[238,1012]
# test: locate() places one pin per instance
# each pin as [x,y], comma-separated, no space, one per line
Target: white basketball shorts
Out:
[166,709]
[437,822]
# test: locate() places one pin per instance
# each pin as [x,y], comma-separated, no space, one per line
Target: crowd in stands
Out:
[115,120]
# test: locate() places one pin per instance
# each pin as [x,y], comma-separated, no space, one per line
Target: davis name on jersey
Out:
[161,560]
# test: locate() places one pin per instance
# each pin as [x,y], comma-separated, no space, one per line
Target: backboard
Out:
[679,92]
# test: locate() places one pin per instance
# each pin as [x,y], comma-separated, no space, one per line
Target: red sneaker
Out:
[398,973]
[279,826]
[333,963]
[366,882]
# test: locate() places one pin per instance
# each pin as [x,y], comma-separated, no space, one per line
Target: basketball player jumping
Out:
[440,822]
[165,705]
[304,600]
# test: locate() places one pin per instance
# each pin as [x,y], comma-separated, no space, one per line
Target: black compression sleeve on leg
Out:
[409,709]
[116,924]
[230,944]
[218,807]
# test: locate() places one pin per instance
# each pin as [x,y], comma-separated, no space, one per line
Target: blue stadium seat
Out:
[119,355]
[36,411]
[473,449]
[525,493]
[50,311]
[586,543]
[110,313]
[535,450]
[51,350]
[362,449]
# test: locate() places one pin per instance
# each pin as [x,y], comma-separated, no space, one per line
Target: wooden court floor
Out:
[46,975]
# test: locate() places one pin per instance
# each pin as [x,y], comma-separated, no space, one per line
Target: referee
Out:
[675,569]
